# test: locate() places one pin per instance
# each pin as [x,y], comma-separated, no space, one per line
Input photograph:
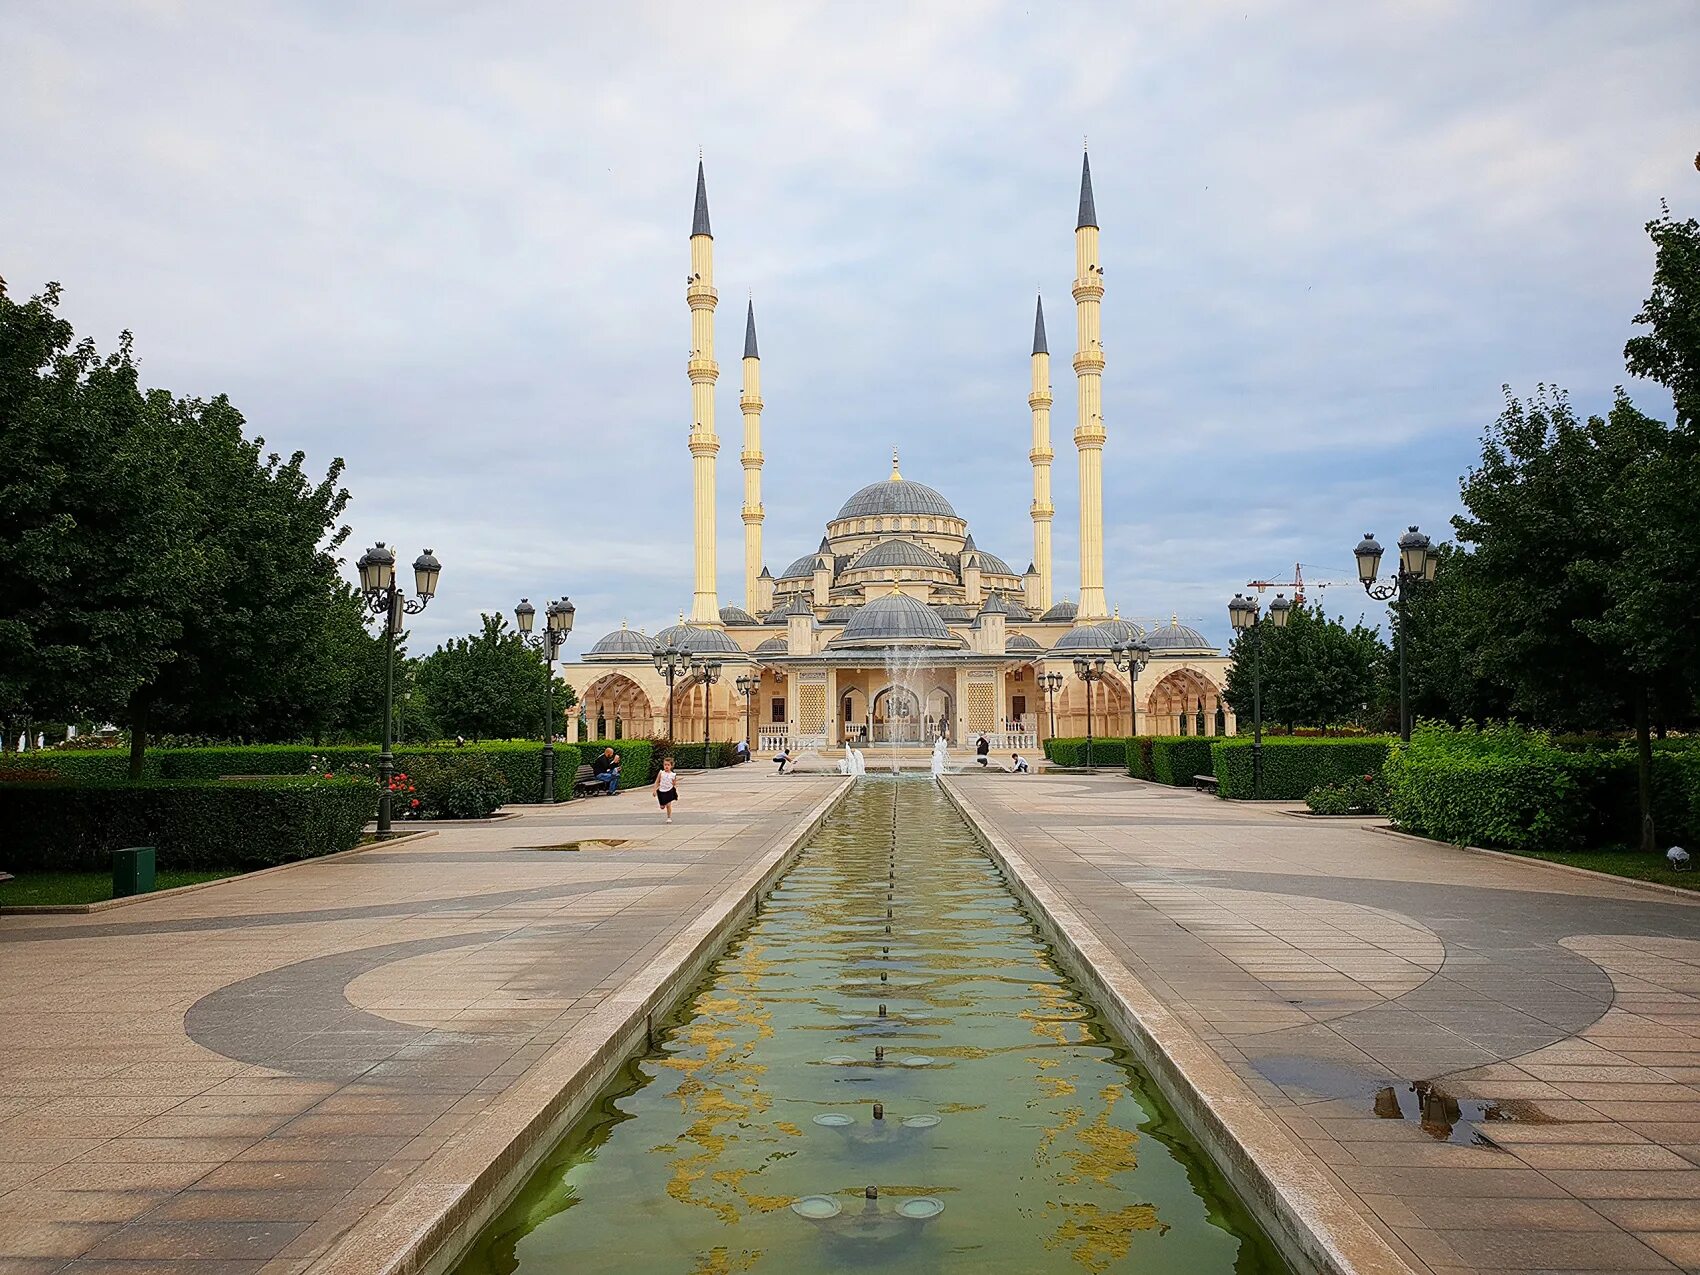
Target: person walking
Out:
[667,788]
[983,752]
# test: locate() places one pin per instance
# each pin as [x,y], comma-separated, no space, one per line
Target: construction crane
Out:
[1297,584]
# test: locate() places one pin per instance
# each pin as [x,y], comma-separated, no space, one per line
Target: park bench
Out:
[585,780]
[1204,783]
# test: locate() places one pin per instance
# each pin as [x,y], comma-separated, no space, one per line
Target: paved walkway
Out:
[226,1080]
[1496,1062]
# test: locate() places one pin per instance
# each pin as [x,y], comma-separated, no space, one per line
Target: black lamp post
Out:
[748,684]
[558,622]
[670,661]
[1089,671]
[377,584]
[1242,613]
[1051,683]
[708,673]
[1131,658]
[1418,560]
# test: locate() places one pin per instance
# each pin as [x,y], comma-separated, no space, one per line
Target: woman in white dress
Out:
[939,750]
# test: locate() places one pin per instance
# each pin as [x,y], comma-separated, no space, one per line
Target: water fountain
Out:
[965,1113]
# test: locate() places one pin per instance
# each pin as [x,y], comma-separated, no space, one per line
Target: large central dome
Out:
[896,496]
[895,620]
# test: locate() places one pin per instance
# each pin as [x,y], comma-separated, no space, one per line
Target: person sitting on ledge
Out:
[607,768]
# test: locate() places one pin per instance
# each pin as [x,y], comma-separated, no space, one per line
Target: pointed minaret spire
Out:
[1038,596]
[699,222]
[1089,386]
[756,599]
[703,371]
[1088,211]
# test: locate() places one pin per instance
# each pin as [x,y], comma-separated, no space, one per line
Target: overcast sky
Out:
[448,242]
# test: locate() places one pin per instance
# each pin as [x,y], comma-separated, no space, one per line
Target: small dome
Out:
[775,616]
[622,642]
[1064,610]
[1021,643]
[839,615]
[895,620]
[804,566]
[736,615]
[773,646]
[1123,631]
[954,612]
[897,553]
[1088,638]
[990,562]
[1174,638]
[698,641]
[1017,610]
[896,496]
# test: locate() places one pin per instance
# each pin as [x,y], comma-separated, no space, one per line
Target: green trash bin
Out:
[132,871]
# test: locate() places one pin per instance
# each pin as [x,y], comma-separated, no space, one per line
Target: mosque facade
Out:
[898,627]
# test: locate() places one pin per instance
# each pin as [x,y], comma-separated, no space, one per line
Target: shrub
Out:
[687,756]
[1175,759]
[1293,765]
[456,785]
[1106,751]
[639,760]
[1356,795]
[1139,756]
[62,826]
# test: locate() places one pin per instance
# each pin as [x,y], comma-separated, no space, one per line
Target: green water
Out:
[1051,1151]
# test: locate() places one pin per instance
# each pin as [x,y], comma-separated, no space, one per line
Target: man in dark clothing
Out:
[607,769]
[983,752]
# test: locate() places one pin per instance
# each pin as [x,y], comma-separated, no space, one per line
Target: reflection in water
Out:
[1446,1118]
[986,1121]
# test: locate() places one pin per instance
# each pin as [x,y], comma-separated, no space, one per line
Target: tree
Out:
[486,686]
[1316,671]
[1445,619]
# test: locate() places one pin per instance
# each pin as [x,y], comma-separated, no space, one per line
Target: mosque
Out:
[898,627]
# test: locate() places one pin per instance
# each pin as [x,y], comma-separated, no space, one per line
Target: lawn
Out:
[1621,863]
[35,889]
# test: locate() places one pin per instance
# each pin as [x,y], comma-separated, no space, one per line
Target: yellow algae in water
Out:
[785,1126]
[1102,1239]
[1056,1086]
[721,1262]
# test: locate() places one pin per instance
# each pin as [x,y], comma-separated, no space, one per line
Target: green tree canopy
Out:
[488,685]
[1316,671]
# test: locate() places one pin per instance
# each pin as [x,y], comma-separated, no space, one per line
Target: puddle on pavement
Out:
[885,1071]
[599,843]
[1448,1119]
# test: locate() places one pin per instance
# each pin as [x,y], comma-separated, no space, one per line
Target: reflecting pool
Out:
[886,1071]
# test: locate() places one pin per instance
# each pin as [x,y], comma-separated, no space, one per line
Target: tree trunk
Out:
[138,736]
[1644,769]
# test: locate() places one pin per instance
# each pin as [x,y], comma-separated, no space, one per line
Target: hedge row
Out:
[1175,759]
[1292,765]
[192,825]
[521,761]
[690,756]
[1515,790]
[639,761]
[1106,751]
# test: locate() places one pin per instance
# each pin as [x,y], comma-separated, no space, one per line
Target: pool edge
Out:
[1283,1184]
[426,1226]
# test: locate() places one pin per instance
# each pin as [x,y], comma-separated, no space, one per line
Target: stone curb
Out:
[1285,1186]
[1569,869]
[424,1225]
[106,905]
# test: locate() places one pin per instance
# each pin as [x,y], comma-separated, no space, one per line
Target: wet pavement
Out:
[1497,1063]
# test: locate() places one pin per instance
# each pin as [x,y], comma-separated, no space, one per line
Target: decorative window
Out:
[777,712]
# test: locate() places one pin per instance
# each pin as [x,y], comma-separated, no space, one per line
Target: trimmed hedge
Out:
[1508,789]
[1107,750]
[1293,765]
[639,761]
[1176,759]
[244,824]
[690,756]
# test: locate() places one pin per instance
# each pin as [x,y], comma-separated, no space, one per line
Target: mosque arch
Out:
[896,714]
[616,707]
[1185,702]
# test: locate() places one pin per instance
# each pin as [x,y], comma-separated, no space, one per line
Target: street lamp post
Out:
[748,684]
[1418,560]
[558,622]
[1089,671]
[1242,613]
[1051,683]
[708,672]
[670,661]
[1131,658]
[378,586]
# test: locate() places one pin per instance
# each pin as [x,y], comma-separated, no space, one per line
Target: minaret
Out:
[750,401]
[1089,379]
[1043,511]
[703,372]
